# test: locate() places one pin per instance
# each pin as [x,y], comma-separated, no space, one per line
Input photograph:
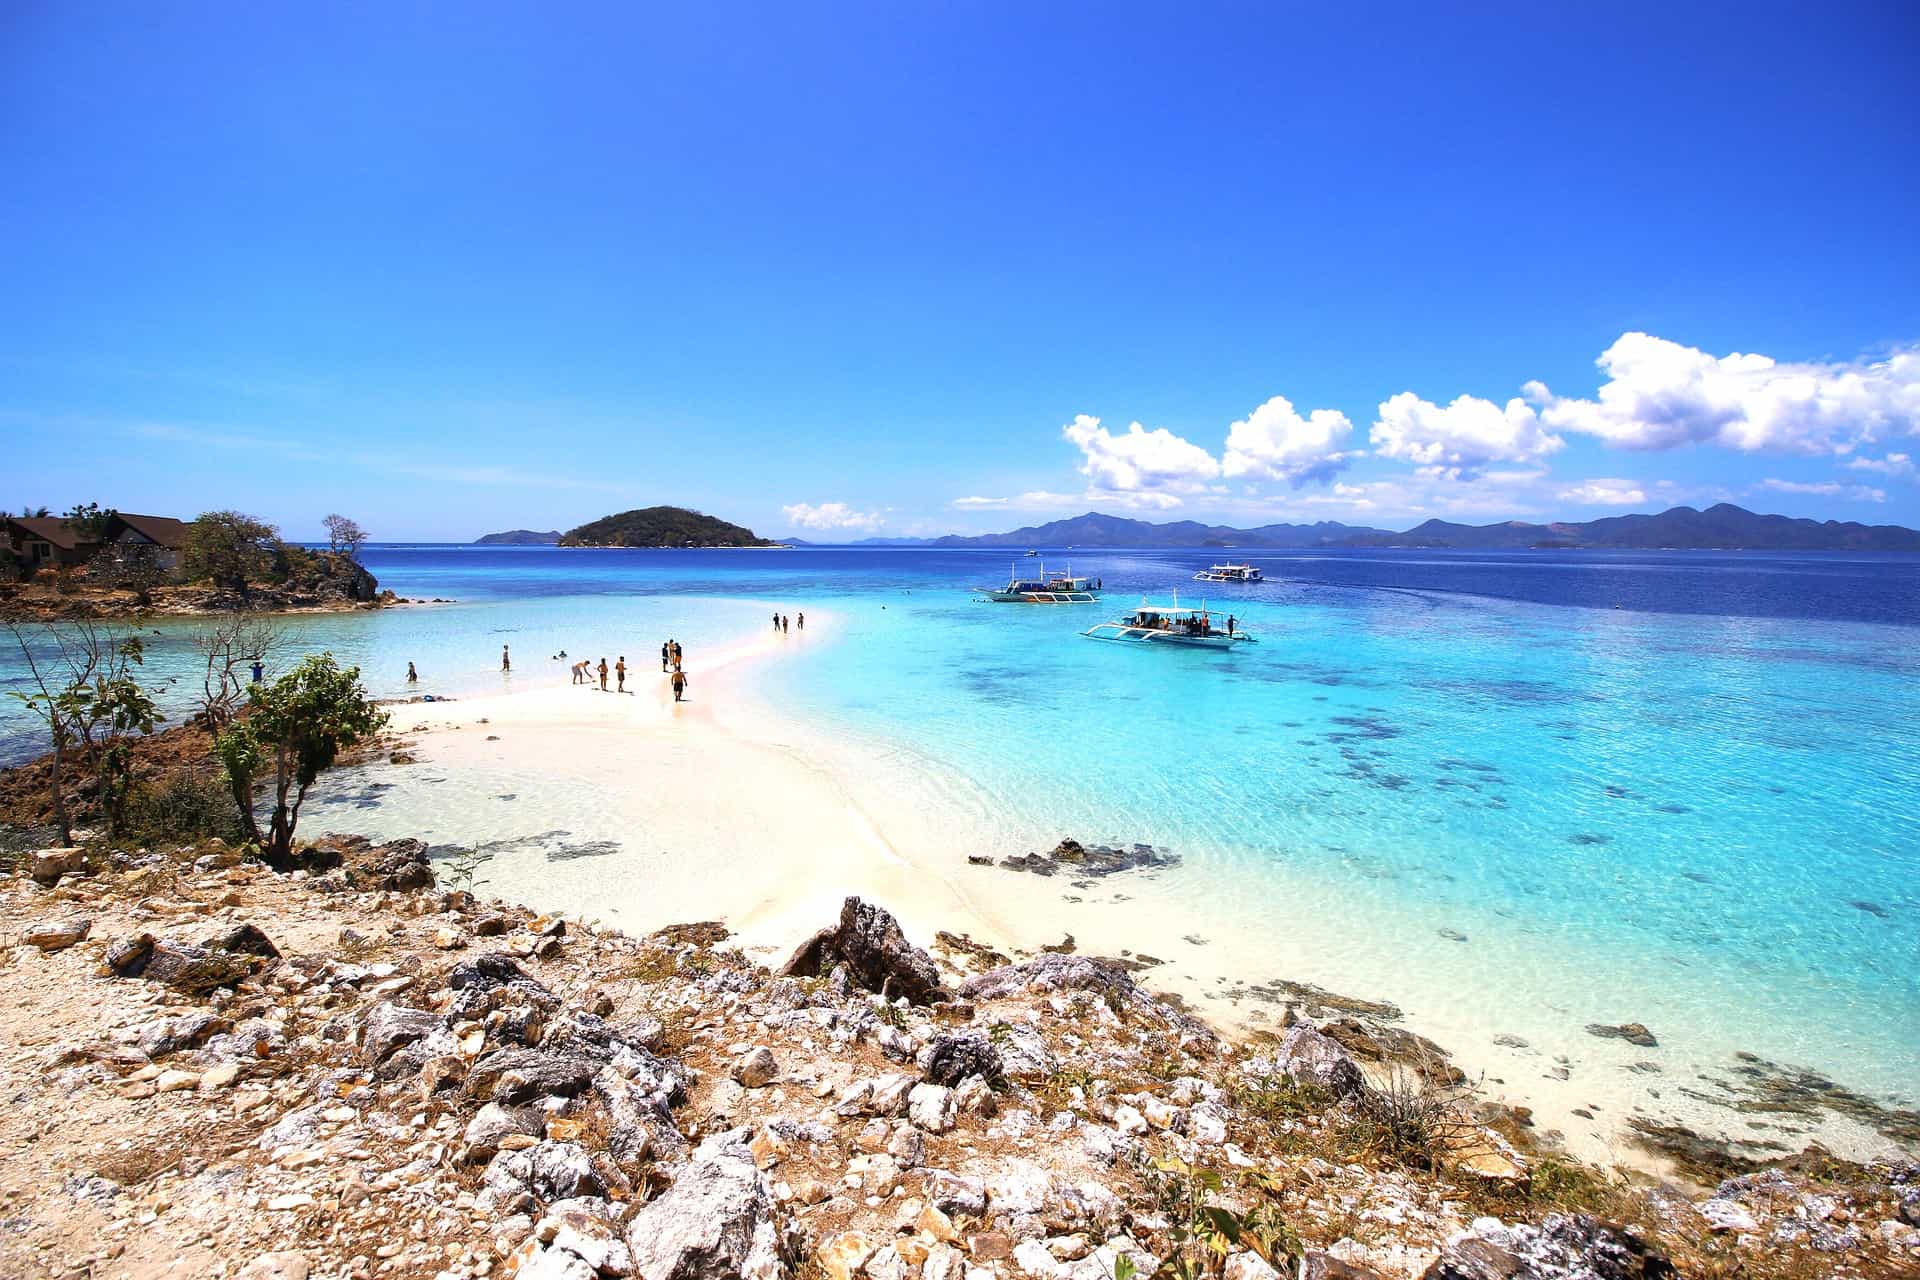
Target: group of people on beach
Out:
[586,672]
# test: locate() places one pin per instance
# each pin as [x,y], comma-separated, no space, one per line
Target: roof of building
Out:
[163,531]
[53,529]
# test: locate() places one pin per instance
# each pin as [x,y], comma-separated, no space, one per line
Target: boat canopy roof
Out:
[1172,610]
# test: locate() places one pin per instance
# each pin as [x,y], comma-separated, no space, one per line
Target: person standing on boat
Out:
[1230,622]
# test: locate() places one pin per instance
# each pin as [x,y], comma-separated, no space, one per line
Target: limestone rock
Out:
[55,935]
[870,942]
[952,1059]
[493,1122]
[277,1266]
[1310,1057]
[756,1068]
[931,1107]
[388,1026]
[715,1221]
[1563,1247]
[1114,986]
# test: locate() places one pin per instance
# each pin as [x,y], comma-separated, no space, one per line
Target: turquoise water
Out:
[1679,782]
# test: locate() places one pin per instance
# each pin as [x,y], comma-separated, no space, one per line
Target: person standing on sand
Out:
[506,659]
[413,677]
[603,675]
[666,654]
[679,683]
[776,622]
[678,655]
[800,621]
[620,672]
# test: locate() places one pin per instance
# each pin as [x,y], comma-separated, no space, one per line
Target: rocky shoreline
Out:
[352,1072]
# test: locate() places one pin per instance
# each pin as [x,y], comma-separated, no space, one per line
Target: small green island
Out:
[518,538]
[662,527]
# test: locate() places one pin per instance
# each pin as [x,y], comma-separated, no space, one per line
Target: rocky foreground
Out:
[218,1071]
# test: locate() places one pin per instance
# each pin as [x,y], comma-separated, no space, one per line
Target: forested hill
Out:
[518,538]
[662,527]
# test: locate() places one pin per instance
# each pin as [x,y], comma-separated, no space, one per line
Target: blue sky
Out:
[880,268]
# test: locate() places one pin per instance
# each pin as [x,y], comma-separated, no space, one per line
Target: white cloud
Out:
[1274,442]
[1897,465]
[1460,440]
[1605,491]
[1141,467]
[832,515]
[1032,500]
[1827,489]
[1660,394]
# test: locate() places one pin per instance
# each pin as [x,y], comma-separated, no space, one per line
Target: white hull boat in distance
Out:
[1173,624]
[1043,588]
[1230,573]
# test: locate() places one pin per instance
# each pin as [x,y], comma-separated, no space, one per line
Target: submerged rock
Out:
[1072,858]
[1631,1032]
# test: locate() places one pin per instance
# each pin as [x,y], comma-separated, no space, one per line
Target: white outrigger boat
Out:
[1229,573]
[1174,624]
[1044,588]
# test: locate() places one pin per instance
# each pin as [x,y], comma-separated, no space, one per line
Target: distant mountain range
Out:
[1718,527]
[518,538]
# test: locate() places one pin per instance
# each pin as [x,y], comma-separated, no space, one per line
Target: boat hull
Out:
[1121,633]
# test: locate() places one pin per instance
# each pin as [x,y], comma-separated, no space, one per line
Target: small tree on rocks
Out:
[344,536]
[294,728]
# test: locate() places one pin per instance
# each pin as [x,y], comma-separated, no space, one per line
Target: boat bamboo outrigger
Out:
[1043,588]
[1174,624]
[1229,573]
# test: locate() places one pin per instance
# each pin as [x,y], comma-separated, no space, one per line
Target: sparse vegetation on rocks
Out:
[348,1071]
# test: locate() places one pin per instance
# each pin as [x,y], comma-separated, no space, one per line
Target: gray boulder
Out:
[951,1059]
[1563,1247]
[715,1222]
[876,953]
[389,1026]
[1309,1056]
[519,1076]
[493,1122]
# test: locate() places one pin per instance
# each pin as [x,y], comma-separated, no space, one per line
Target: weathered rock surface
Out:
[870,942]
[1562,1247]
[716,1220]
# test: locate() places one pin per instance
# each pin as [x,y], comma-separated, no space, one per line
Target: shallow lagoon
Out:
[1466,783]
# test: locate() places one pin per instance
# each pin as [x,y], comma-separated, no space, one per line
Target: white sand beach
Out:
[649,812]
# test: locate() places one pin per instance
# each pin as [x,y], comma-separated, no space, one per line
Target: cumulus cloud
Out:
[832,515]
[1660,394]
[1460,440]
[1275,443]
[1898,465]
[1140,467]
[1827,489]
[1605,491]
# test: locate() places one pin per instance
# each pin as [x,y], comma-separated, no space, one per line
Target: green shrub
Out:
[183,809]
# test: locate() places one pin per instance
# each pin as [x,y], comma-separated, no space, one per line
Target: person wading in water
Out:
[679,684]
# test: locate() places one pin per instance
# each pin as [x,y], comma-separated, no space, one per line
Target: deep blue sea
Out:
[1677,781]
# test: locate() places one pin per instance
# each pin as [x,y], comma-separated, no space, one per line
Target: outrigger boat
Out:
[1174,624]
[1229,573]
[1044,588]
